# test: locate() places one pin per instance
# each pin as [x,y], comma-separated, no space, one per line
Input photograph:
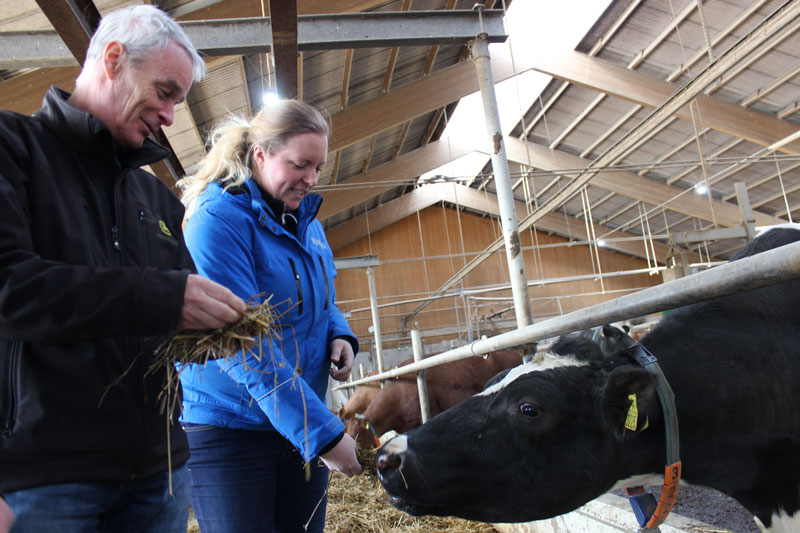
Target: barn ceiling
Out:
[657,98]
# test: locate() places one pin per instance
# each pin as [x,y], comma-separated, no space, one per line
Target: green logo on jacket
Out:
[164,229]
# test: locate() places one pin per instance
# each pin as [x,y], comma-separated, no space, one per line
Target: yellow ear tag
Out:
[633,414]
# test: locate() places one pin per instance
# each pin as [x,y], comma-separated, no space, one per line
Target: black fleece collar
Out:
[88,134]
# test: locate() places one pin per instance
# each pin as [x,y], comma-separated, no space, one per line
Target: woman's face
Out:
[290,173]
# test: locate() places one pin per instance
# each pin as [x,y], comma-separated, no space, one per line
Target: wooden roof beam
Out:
[627,184]
[283,20]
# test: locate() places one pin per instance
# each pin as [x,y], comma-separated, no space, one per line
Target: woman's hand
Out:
[342,458]
[7,516]
[342,356]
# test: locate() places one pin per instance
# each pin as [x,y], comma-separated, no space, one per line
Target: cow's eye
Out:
[528,409]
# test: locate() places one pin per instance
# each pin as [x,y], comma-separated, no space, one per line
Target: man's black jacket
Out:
[93,269]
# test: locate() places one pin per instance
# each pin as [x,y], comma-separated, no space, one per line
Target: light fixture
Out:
[601,243]
[270,97]
[700,188]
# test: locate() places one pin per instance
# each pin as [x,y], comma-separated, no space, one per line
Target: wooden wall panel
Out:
[418,255]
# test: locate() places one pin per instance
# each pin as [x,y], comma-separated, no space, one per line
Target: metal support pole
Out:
[766,268]
[376,326]
[502,180]
[422,385]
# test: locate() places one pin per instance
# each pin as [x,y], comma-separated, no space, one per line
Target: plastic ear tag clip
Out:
[631,420]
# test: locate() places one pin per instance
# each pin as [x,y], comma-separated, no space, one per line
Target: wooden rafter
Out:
[597,74]
[75,22]
[283,19]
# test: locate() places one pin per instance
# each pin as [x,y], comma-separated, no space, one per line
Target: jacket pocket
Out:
[299,287]
[10,380]
[325,276]
[156,243]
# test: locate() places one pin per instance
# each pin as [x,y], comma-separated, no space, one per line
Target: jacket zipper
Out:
[299,287]
[143,232]
[10,400]
[115,239]
[325,276]
[133,346]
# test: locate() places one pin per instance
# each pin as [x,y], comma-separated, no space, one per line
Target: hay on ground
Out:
[360,505]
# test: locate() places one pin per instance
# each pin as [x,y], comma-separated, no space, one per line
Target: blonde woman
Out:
[253,424]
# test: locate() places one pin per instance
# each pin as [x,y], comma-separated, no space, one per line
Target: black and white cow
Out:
[551,436]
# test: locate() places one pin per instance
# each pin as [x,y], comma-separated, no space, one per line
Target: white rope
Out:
[422,245]
[530,198]
[369,233]
[644,236]
[783,190]
[450,250]
[591,235]
[692,104]
[652,244]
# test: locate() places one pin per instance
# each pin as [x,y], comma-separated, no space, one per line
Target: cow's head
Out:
[542,441]
[357,428]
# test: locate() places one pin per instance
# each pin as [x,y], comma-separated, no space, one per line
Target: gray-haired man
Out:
[94,273]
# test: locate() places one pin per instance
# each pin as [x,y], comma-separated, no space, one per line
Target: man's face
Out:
[145,94]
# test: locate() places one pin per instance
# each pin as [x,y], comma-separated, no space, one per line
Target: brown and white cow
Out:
[363,395]
[396,407]
[359,401]
[549,437]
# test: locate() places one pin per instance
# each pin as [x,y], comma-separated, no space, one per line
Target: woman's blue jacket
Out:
[236,242]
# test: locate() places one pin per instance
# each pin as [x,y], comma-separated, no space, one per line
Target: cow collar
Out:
[649,513]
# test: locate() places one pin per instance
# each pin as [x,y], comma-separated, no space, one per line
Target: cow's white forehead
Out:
[547,362]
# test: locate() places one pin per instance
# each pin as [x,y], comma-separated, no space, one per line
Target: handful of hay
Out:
[258,322]
[367,459]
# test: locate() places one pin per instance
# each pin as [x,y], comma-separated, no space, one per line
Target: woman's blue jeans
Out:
[245,480]
[132,506]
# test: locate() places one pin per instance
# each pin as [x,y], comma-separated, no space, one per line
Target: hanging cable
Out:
[652,244]
[450,251]
[591,235]
[586,222]
[644,237]
[422,245]
[703,165]
[369,233]
[783,190]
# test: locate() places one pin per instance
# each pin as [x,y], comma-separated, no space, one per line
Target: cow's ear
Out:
[627,398]
[497,378]
[578,347]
